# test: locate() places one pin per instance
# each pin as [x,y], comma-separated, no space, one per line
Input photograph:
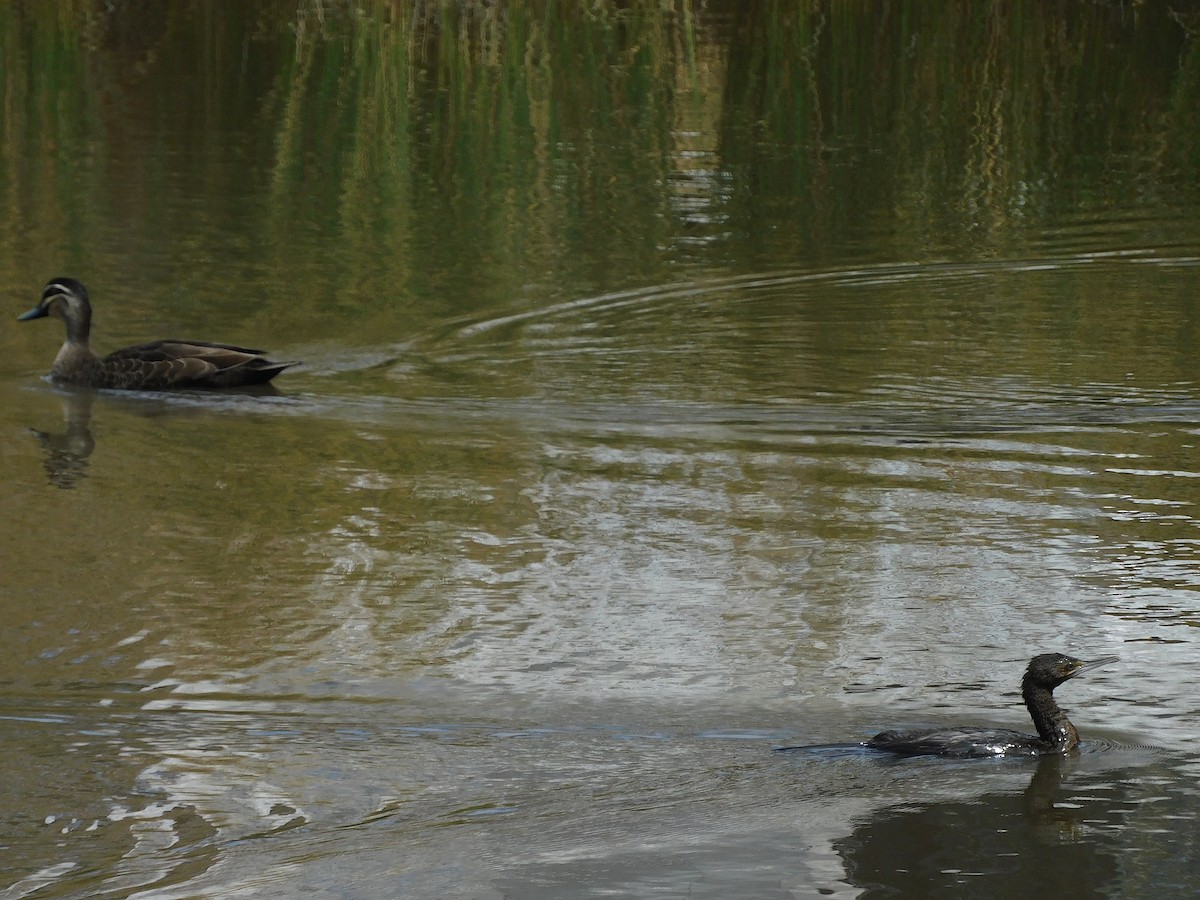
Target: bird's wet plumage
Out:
[1055,734]
[158,365]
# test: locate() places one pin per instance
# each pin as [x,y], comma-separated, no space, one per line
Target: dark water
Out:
[679,383]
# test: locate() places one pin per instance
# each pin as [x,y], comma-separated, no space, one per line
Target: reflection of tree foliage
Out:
[945,122]
[511,133]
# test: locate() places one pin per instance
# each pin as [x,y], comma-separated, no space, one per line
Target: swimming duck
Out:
[159,365]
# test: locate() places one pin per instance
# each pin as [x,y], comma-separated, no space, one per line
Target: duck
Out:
[155,366]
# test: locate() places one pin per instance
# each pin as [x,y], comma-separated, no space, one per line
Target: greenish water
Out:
[680,381]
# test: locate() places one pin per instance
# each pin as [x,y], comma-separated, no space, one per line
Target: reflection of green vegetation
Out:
[454,150]
[944,125]
[1180,137]
[49,104]
[434,116]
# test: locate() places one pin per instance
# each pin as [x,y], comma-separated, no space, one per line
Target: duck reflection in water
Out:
[67,452]
[1055,733]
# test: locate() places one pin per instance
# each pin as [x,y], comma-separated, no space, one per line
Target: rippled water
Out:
[534,639]
[643,428]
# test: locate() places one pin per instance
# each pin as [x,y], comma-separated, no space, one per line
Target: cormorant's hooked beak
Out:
[37,312]
[1095,663]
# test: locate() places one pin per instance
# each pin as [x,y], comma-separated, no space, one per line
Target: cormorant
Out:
[1055,734]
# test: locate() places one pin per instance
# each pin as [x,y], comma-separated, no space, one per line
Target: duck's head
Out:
[1049,670]
[66,299]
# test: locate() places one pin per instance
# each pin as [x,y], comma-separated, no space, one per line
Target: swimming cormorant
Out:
[1055,734]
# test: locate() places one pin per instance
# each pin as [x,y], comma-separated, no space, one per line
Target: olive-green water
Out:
[680,381]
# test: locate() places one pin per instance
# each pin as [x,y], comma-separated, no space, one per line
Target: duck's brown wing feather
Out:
[172,363]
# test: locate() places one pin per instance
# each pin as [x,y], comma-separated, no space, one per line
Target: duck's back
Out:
[187,364]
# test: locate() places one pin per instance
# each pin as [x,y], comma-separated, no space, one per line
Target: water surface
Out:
[665,401]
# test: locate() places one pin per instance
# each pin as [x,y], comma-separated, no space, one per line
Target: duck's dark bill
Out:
[36,313]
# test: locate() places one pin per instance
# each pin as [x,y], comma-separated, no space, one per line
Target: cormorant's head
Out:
[1049,670]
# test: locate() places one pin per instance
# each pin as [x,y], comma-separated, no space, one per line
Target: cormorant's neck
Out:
[1052,723]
